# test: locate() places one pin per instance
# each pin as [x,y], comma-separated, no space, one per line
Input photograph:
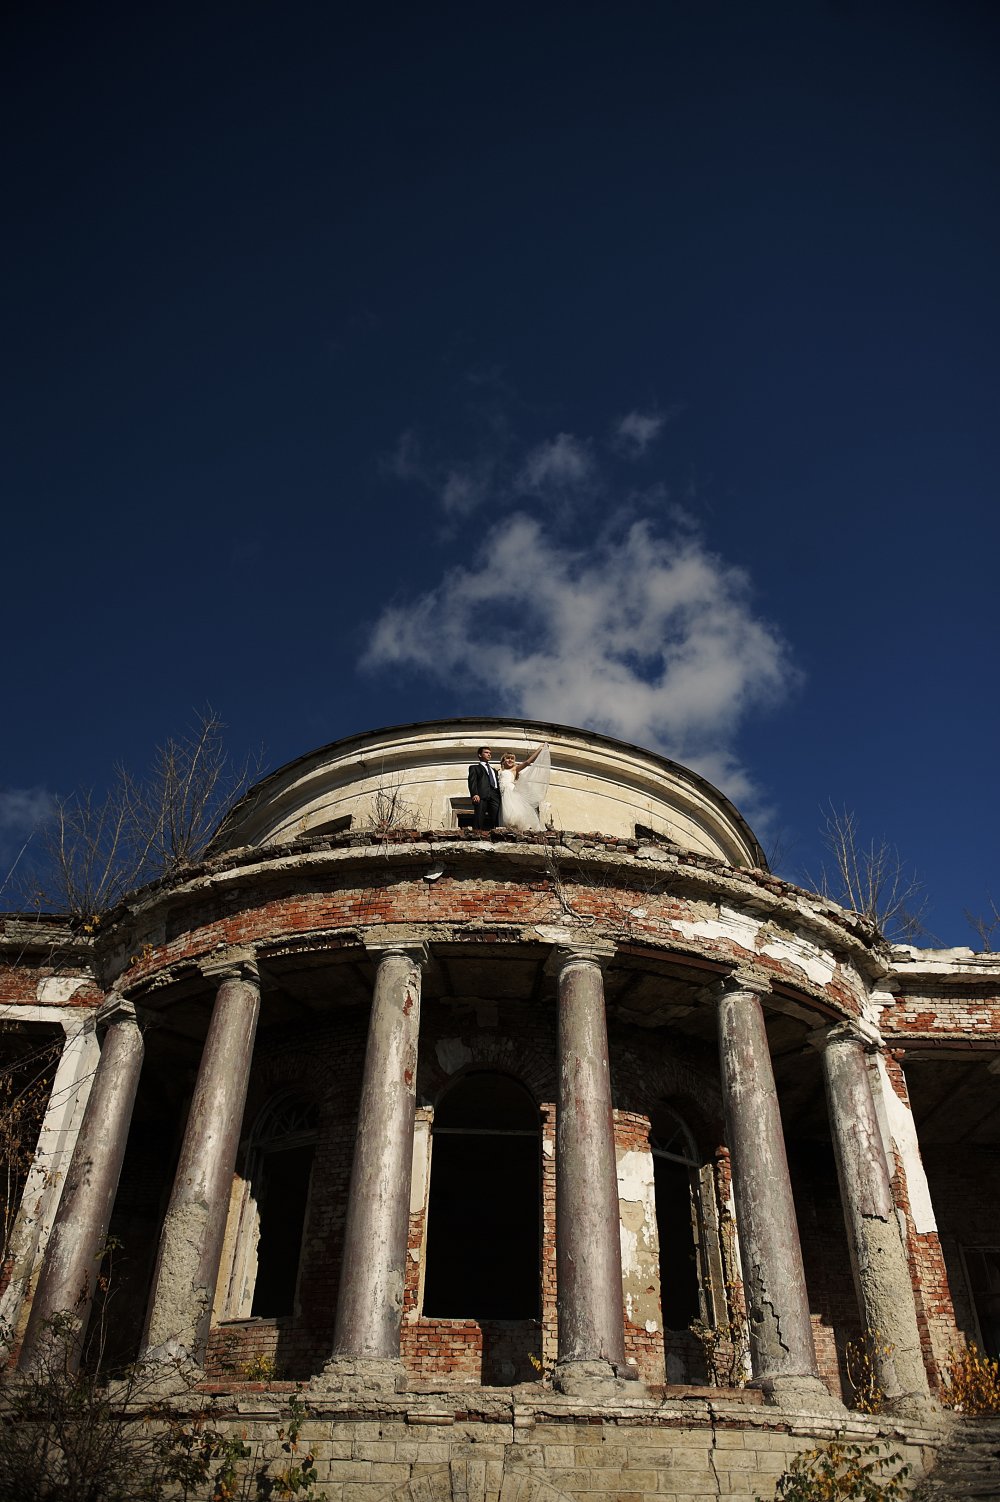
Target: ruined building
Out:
[574,1158]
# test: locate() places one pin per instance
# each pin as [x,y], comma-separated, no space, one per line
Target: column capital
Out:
[850,1030]
[230,964]
[401,939]
[568,950]
[115,1008]
[739,980]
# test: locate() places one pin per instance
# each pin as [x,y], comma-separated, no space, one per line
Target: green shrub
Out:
[841,1472]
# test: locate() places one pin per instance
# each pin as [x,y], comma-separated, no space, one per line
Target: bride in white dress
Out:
[523,785]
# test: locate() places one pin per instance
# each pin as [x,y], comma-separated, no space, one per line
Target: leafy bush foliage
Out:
[66,1436]
[841,1472]
[972,1383]
[862,1359]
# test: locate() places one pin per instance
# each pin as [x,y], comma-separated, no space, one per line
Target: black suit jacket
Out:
[480,783]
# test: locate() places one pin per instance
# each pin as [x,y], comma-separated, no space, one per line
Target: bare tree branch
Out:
[872,879]
[986,926]
[390,810]
[99,849]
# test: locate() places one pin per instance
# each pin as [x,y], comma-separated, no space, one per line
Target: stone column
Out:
[43,1186]
[588,1237]
[370,1300]
[782,1353]
[76,1245]
[878,1257]
[187,1263]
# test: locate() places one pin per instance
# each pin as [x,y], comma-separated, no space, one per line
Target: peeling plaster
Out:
[904,1137]
[56,990]
[630,1213]
[818,965]
[729,924]
[452,1054]
[873,1004]
[634,1176]
[420,1166]
[639,1244]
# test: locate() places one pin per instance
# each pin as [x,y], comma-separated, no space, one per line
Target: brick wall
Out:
[343,898]
[928,1272]
[965,1188]
[967,1016]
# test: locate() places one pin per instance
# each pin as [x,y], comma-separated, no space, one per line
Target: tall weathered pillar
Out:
[781,1345]
[187,1263]
[370,1300]
[588,1237]
[79,1233]
[53,1154]
[878,1258]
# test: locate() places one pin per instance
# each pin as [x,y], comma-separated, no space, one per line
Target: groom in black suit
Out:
[484,790]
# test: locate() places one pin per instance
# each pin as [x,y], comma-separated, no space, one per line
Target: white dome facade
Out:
[417,776]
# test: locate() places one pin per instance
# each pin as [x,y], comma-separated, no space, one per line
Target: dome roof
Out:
[415,776]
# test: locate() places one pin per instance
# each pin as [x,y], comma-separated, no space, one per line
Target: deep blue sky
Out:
[298,300]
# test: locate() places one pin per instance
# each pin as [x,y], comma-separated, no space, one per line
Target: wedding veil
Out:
[533,782]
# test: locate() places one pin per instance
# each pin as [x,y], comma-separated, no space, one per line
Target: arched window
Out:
[279,1166]
[677,1180]
[483,1222]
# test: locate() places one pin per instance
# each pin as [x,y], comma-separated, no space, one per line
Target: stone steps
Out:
[968,1466]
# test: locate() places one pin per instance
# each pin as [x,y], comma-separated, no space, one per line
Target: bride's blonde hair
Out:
[506,757]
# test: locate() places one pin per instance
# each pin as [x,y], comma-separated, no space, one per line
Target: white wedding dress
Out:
[521,796]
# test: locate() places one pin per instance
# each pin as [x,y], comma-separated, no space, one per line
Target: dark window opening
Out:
[675,1166]
[29,1058]
[483,1224]
[279,1169]
[332,826]
[982,1266]
[656,836]
[463,812]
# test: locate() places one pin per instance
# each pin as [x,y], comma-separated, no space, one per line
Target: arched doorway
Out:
[279,1170]
[676,1177]
[483,1223]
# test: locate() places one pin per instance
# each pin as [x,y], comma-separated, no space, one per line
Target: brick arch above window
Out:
[476,1052]
[644,1081]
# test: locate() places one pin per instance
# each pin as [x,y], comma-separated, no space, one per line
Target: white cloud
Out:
[23,809]
[650,638]
[459,487]
[22,812]
[637,430]
[465,487]
[559,464]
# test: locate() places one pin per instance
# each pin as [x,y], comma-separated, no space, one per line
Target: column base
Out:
[920,1408]
[157,1377]
[799,1392]
[169,1367]
[372,1374]
[596,1379]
